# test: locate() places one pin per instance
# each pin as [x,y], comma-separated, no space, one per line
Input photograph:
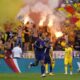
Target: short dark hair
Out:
[40,34]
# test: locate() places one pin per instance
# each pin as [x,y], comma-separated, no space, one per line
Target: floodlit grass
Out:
[36,76]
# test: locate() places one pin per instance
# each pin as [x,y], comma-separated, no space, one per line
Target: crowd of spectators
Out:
[27,35]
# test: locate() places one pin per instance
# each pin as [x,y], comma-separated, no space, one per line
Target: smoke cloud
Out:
[40,11]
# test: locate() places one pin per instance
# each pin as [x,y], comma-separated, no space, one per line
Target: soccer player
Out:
[48,57]
[39,54]
[68,59]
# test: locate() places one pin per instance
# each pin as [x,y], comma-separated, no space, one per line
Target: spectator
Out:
[8,50]
[1,50]
[17,51]
[26,36]
[19,36]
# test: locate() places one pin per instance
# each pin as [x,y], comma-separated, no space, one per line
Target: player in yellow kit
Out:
[68,59]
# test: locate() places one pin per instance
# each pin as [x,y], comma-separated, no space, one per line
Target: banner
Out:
[56,54]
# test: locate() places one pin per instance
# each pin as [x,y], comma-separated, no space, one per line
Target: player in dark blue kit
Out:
[39,48]
[48,57]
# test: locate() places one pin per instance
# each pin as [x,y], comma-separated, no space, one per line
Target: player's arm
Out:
[36,44]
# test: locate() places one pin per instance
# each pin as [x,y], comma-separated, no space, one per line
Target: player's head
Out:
[63,44]
[41,35]
[18,45]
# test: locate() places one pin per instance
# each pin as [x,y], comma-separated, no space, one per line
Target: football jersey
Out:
[68,52]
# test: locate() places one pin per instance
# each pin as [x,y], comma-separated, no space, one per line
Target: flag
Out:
[13,64]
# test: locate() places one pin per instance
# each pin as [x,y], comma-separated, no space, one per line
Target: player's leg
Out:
[66,65]
[70,64]
[46,68]
[70,69]
[50,68]
[48,61]
[52,64]
[36,61]
[34,64]
[51,72]
[46,64]
[52,61]
[42,68]
[66,69]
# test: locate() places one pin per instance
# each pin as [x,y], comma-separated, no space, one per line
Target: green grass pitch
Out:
[36,76]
